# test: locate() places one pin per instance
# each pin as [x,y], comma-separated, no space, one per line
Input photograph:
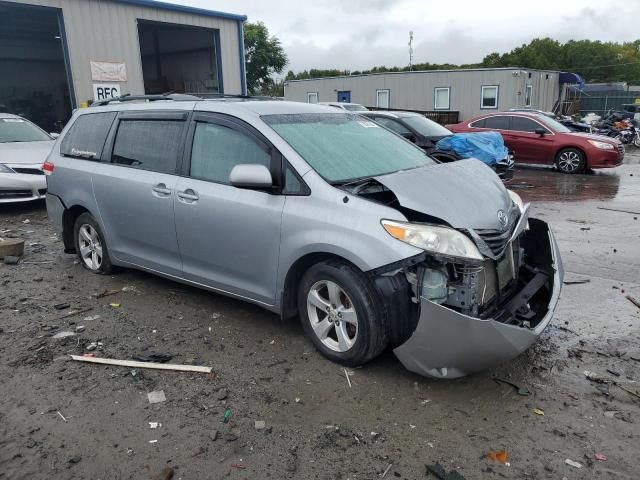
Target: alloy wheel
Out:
[569,161]
[90,247]
[332,316]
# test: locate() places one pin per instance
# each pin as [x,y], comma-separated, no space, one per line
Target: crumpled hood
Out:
[25,152]
[465,194]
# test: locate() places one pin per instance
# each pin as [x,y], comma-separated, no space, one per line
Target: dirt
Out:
[63,419]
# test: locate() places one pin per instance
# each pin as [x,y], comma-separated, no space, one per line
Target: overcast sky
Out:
[358,34]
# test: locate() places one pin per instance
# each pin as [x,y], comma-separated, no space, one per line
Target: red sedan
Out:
[540,139]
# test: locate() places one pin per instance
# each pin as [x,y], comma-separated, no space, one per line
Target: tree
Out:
[264,56]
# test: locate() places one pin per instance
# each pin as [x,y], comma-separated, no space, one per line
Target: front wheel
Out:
[341,314]
[91,246]
[571,160]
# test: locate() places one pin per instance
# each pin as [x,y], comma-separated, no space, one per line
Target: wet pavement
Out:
[318,424]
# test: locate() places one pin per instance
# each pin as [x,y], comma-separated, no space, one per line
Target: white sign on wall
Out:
[108,71]
[104,91]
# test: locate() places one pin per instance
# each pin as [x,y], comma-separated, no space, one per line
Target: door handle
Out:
[188,196]
[161,189]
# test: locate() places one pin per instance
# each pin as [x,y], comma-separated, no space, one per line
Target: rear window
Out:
[148,144]
[87,135]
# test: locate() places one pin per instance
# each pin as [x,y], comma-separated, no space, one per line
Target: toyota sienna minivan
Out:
[310,212]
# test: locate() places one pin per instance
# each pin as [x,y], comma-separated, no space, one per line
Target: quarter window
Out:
[382,98]
[489,96]
[87,135]
[441,98]
[312,97]
[522,124]
[217,149]
[500,122]
[148,144]
[478,123]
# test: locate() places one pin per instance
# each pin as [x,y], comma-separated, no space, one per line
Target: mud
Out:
[65,420]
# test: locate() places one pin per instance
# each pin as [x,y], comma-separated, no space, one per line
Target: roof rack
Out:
[180,97]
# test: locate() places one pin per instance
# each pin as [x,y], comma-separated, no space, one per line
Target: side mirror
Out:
[251,176]
[540,131]
[54,135]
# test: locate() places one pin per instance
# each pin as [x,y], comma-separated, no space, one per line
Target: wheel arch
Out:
[69,217]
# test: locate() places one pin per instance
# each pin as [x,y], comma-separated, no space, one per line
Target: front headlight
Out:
[442,240]
[516,199]
[602,145]
[5,169]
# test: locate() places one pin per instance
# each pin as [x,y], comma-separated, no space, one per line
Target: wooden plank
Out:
[136,364]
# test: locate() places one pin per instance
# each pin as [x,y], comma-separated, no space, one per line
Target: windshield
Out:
[356,108]
[426,127]
[343,146]
[20,130]
[553,124]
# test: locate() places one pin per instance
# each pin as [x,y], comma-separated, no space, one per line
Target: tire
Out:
[570,160]
[636,141]
[91,246]
[352,333]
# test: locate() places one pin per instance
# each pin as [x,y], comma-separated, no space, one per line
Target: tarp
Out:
[485,146]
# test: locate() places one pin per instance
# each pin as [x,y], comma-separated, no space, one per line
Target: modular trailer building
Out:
[56,55]
[470,91]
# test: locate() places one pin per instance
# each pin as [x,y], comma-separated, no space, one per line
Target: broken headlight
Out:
[442,240]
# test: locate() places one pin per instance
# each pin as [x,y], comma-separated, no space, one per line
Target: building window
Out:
[312,97]
[382,98]
[528,93]
[489,96]
[441,98]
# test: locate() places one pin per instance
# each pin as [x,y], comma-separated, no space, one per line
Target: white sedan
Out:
[23,149]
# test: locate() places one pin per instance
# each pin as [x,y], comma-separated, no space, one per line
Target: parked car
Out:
[23,149]
[565,120]
[349,107]
[540,139]
[310,211]
[426,134]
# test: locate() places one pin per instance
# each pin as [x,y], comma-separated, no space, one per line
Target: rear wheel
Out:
[570,160]
[341,314]
[90,245]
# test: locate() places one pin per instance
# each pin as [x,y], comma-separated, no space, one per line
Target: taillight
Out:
[47,167]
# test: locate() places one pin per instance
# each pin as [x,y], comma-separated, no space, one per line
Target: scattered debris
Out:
[618,210]
[613,372]
[106,293]
[600,457]
[80,328]
[153,441]
[521,390]
[238,465]
[156,397]
[90,318]
[11,260]
[594,377]
[227,416]
[135,364]
[62,306]
[64,335]
[222,394]
[572,463]
[90,348]
[633,300]
[439,471]
[213,435]
[386,470]
[576,282]
[298,400]
[114,305]
[347,375]
[230,437]
[538,411]
[165,474]
[154,425]
[75,459]
[153,357]
[260,424]
[62,417]
[497,456]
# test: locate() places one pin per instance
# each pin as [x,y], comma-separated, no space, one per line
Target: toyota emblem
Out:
[502,218]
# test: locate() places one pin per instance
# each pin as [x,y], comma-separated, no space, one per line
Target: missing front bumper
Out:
[449,344]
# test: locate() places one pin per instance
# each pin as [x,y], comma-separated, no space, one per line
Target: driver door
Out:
[229,238]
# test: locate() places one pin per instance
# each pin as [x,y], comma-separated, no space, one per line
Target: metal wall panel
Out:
[107,31]
[415,90]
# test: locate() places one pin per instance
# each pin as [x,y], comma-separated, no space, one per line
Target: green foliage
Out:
[596,61]
[264,56]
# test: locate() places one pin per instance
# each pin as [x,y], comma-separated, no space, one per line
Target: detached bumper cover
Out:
[448,344]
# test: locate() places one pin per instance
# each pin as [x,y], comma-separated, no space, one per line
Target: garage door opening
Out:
[34,82]
[179,59]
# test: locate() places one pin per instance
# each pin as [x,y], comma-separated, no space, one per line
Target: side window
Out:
[217,149]
[392,125]
[522,124]
[87,135]
[292,183]
[478,123]
[148,144]
[497,123]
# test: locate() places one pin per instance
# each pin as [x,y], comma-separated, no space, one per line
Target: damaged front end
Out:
[466,316]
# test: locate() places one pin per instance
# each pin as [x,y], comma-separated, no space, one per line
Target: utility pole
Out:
[411,50]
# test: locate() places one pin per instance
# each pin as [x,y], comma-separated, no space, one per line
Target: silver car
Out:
[310,212]
[23,149]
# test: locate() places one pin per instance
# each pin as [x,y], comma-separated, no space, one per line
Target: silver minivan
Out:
[310,212]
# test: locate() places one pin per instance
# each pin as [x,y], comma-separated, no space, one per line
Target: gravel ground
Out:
[63,419]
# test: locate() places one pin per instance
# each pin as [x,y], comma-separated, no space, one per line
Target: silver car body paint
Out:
[243,242]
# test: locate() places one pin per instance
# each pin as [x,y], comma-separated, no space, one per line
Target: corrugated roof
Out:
[184,9]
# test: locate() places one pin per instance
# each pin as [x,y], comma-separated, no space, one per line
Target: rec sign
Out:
[104,91]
